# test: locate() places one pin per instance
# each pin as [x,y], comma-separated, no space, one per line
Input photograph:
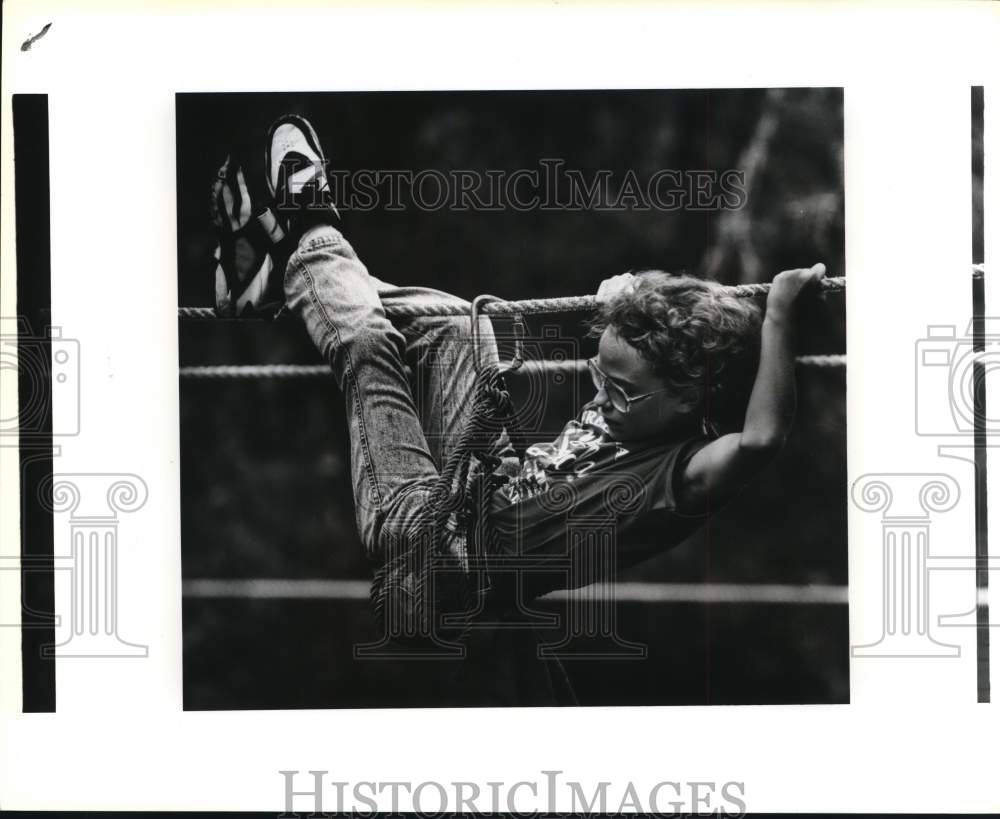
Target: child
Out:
[644,456]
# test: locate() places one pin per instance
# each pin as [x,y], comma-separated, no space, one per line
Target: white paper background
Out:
[913,738]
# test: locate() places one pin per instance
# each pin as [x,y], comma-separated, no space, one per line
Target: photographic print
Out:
[512,398]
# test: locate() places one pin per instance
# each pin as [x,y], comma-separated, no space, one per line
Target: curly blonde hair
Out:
[702,341]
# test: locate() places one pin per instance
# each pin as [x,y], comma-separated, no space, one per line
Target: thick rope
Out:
[247,371]
[291,371]
[200,314]
[427,578]
[832,361]
[577,366]
[566,304]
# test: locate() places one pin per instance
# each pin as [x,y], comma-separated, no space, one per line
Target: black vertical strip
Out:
[979,402]
[34,378]
[978,215]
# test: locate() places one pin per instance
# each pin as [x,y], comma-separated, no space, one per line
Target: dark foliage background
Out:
[265,484]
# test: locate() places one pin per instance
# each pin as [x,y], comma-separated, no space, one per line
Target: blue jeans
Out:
[400,435]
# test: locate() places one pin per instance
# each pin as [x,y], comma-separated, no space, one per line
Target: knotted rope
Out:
[431,576]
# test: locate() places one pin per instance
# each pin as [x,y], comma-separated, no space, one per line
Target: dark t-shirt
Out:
[574,511]
[584,506]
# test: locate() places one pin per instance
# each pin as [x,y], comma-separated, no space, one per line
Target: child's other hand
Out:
[787,286]
[612,287]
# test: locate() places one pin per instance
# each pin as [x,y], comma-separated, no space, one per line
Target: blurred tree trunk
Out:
[733,257]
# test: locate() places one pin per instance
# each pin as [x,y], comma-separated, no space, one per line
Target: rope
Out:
[577,366]
[565,304]
[822,361]
[199,314]
[266,588]
[429,576]
[247,371]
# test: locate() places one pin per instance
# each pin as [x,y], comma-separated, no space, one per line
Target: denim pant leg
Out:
[397,444]
[440,353]
[329,288]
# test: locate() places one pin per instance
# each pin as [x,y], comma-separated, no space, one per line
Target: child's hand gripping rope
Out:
[612,286]
[787,286]
[721,468]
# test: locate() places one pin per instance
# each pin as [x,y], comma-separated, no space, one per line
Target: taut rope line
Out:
[565,304]
[305,371]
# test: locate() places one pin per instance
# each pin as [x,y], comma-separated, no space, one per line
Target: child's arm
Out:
[718,470]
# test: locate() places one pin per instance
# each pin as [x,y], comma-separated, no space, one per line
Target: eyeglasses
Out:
[619,399]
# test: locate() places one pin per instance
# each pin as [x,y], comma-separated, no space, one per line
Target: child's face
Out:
[660,414]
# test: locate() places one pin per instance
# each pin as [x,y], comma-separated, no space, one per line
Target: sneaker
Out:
[296,174]
[249,262]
